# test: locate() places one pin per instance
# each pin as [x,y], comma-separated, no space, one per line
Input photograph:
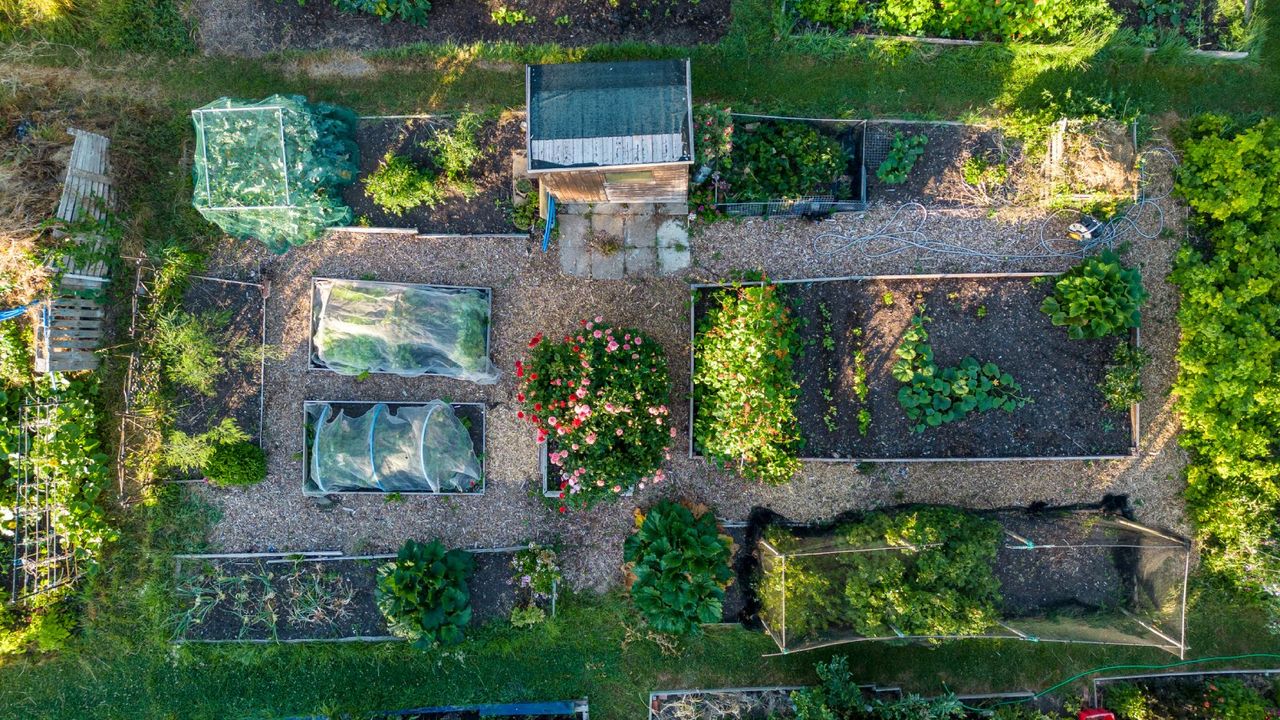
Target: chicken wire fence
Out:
[411,448]
[43,558]
[402,329]
[1072,577]
[272,170]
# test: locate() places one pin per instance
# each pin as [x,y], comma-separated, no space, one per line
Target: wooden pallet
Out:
[68,332]
[70,325]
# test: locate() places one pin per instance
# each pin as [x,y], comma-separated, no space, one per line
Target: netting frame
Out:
[368,405]
[43,560]
[1176,646]
[313,311]
[284,156]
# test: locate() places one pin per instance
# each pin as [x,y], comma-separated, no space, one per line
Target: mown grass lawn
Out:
[123,666]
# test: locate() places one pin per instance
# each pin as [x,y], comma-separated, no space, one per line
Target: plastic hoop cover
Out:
[419,448]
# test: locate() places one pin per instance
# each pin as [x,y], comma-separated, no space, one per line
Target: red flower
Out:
[519,369]
[537,407]
[520,414]
[533,376]
[536,339]
[562,508]
[520,397]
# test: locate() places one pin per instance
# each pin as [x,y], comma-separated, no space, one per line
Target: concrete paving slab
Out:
[673,246]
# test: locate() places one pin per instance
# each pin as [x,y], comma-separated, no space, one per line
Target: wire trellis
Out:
[904,230]
[43,560]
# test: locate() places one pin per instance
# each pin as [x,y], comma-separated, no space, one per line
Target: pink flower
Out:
[586,382]
[597,334]
[618,432]
[591,438]
[599,318]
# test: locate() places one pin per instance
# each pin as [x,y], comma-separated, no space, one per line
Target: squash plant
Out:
[423,593]
[933,396]
[903,154]
[1097,298]
[680,564]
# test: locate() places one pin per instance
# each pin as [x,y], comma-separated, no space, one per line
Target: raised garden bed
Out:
[308,597]
[937,178]
[994,318]
[257,27]
[361,326]
[755,182]
[1072,575]
[1188,695]
[756,703]
[471,415]
[485,212]
[1205,25]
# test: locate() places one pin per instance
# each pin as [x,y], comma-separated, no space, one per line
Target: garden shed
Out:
[611,132]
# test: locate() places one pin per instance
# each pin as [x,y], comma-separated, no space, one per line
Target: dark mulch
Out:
[238,391]
[1059,580]
[1066,417]
[257,27]
[1211,37]
[735,596]
[485,212]
[492,598]
[936,180]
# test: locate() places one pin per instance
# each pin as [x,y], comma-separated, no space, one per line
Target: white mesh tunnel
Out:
[418,449]
[373,327]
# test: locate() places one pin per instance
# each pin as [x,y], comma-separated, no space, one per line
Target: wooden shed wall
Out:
[668,183]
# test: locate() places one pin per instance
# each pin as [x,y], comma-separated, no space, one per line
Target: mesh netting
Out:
[370,327]
[272,170]
[1081,576]
[417,448]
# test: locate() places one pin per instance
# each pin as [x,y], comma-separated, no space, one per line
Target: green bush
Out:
[903,154]
[398,185]
[1097,298]
[1036,20]
[938,580]
[192,349]
[1231,699]
[713,131]
[838,697]
[455,150]
[1228,389]
[933,396]
[1128,702]
[191,453]
[238,463]
[1122,385]
[423,593]
[411,11]
[781,160]
[681,566]
[743,388]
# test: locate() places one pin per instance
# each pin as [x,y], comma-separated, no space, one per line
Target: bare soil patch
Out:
[485,212]
[937,178]
[260,27]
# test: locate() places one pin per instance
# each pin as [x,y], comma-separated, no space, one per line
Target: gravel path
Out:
[531,295]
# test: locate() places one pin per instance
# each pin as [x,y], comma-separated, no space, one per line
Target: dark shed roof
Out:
[609,114]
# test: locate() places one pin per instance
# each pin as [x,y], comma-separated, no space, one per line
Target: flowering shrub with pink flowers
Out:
[598,399]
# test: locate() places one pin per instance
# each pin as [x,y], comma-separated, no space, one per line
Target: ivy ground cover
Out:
[849,334]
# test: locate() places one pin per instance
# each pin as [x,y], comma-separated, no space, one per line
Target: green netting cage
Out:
[933,574]
[273,170]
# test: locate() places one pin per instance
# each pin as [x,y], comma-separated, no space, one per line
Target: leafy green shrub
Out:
[781,160]
[1227,388]
[981,173]
[535,574]
[423,593]
[1231,699]
[399,185]
[601,397]
[1128,702]
[1122,385]
[743,388]
[238,463]
[1097,298]
[1039,20]
[903,154]
[192,349]
[681,566]
[190,453]
[524,215]
[937,579]
[455,151]
[933,396]
[412,11]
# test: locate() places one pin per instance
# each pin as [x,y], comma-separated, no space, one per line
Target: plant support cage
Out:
[273,169]
[418,448]
[1080,576]
[43,559]
[373,327]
